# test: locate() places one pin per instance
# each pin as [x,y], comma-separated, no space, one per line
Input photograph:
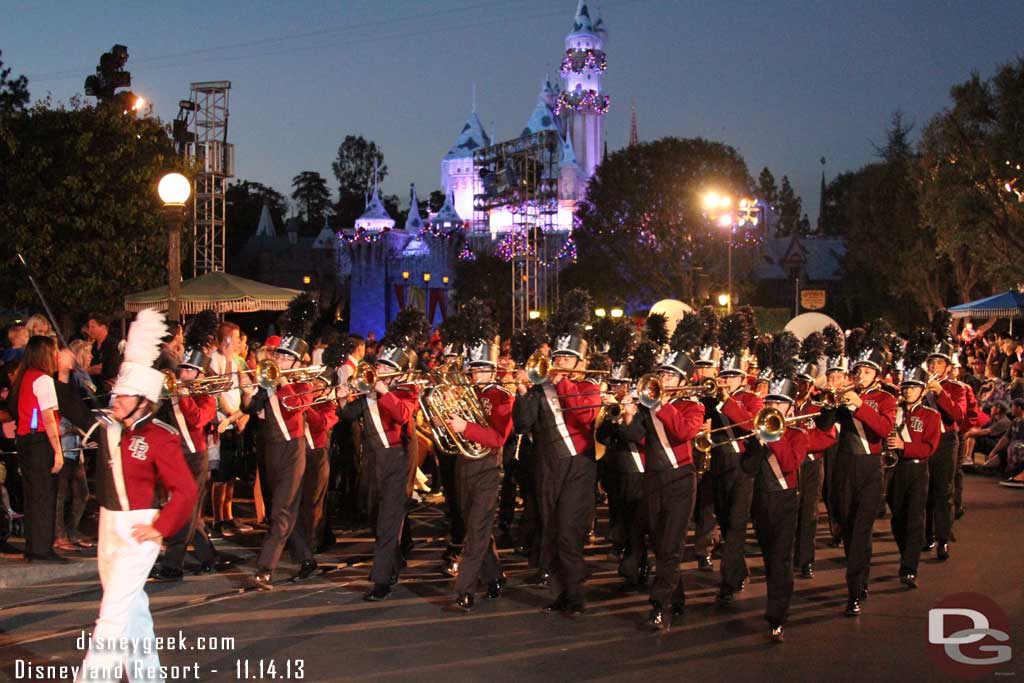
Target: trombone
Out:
[769,425]
[269,375]
[650,390]
[201,386]
[538,369]
[366,376]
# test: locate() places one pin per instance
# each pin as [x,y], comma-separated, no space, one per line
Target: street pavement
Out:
[322,629]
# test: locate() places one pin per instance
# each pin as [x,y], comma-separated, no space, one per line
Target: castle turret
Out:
[582,103]
[457,172]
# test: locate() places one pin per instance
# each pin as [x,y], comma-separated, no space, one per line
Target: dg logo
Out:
[969,636]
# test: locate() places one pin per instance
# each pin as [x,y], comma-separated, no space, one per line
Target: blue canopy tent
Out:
[1009,304]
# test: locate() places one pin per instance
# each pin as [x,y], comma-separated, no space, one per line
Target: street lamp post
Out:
[174,190]
[426,296]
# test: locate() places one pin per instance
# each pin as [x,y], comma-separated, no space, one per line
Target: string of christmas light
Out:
[582,101]
[437,230]
[466,254]
[578,61]
[568,251]
[362,235]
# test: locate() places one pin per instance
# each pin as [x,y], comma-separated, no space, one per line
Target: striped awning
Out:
[221,292]
[1009,304]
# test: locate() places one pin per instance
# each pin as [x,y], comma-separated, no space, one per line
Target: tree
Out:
[13,92]
[309,190]
[970,173]
[245,200]
[489,279]
[790,208]
[640,227]
[766,189]
[80,202]
[354,167]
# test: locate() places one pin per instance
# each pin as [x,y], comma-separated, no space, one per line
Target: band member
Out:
[446,465]
[706,363]
[479,479]
[385,413]
[948,397]
[191,412]
[284,441]
[915,439]
[867,418]
[320,420]
[665,432]
[562,423]
[836,377]
[732,411]
[811,471]
[136,452]
[776,500]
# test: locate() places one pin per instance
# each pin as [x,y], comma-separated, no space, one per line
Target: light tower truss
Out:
[215,160]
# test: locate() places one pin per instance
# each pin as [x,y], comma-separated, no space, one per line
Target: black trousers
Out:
[941,466]
[478,485]
[862,491]
[669,496]
[733,490]
[450,483]
[830,491]
[811,472]
[567,501]
[775,516]
[908,495]
[39,486]
[703,514]
[315,478]
[509,482]
[531,528]
[608,476]
[285,465]
[71,486]
[635,521]
[193,532]
[391,472]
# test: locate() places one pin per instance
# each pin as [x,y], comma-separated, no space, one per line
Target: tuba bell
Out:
[449,397]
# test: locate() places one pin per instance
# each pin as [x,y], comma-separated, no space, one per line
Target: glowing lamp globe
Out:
[174,189]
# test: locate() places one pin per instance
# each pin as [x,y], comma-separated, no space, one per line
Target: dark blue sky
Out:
[784,82]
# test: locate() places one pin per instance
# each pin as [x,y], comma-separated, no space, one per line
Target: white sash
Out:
[113,435]
[635,452]
[556,409]
[659,427]
[731,442]
[309,437]
[275,408]
[777,471]
[183,427]
[378,426]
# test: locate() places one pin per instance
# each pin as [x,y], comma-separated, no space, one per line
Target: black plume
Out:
[785,347]
[709,325]
[748,313]
[735,333]
[920,344]
[410,327]
[526,341]
[201,330]
[763,350]
[299,318]
[686,336]
[572,315]
[614,337]
[856,342]
[337,352]
[942,323]
[599,361]
[656,329]
[480,324]
[812,348]
[644,360]
[880,334]
[897,349]
[835,341]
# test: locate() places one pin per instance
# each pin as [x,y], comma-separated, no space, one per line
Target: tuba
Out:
[448,398]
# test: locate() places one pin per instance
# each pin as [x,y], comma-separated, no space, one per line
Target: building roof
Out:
[820,257]
[448,217]
[413,221]
[471,137]
[568,154]
[542,118]
[582,22]
[376,217]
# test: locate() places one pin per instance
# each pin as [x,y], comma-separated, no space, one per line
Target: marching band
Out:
[695,429]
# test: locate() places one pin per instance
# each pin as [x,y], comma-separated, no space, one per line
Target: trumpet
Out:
[201,386]
[833,397]
[650,390]
[538,369]
[769,425]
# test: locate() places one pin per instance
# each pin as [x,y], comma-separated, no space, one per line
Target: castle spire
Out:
[413,222]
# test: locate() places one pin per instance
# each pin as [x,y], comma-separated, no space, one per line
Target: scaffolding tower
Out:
[521,176]
[215,160]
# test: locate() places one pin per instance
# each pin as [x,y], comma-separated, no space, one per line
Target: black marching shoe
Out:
[724,597]
[909,580]
[704,563]
[776,634]
[806,572]
[465,602]
[306,569]
[576,609]
[642,574]
[942,552]
[863,597]
[380,591]
[656,618]
[494,588]
[451,567]
[559,605]
[853,607]
[262,579]
[160,574]
[928,546]
[678,608]
[541,579]
[203,568]
[960,510]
